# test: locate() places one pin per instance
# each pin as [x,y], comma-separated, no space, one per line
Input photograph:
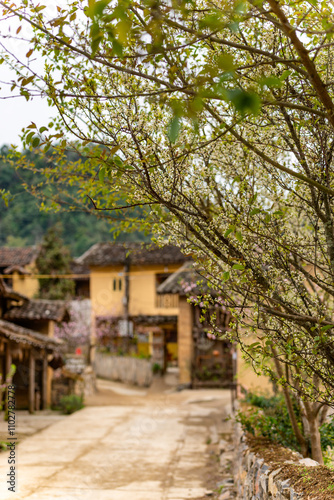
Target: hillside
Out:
[23,223]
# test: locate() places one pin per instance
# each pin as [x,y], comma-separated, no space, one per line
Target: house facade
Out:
[123,290]
[30,350]
[18,267]
[204,359]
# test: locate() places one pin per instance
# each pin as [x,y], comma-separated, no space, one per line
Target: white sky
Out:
[16,112]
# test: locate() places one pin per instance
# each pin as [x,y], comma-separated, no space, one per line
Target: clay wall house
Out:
[123,288]
[40,316]
[203,360]
[81,279]
[18,265]
[29,350]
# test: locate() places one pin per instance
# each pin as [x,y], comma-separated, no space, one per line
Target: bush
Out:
[156,368]
[70,404]
[327,434]
[272,421]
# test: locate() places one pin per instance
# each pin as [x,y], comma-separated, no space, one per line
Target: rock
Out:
[209,493]
[225,483]
[272,488]
[226,459]
[214,435]
[308,462]
[223,445]
[225,496]
[264,483]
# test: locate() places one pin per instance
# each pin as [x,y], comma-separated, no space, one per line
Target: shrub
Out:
[156,368]
[327,434]
[70,404]
[268,417]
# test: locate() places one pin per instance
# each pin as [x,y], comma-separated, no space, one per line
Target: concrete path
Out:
[136,447]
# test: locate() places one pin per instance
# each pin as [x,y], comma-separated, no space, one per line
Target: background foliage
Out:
[22,222]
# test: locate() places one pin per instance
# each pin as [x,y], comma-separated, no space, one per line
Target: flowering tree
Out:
[77,331]
[219,120]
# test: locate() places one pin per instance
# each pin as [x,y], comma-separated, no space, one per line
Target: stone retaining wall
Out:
[125,369]
[256,480]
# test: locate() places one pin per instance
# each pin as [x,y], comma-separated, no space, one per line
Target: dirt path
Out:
[127,444]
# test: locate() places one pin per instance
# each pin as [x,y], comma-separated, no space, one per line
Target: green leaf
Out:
[102,173]
[35,142]
[213,21]
[226,276]
[239,267]
[117,161]
[117,48]
[244,101]
[96,8]
[123,29]
[239,237]
[325,328]
[271,82]
[226,62]
[254,211]
[285,74]
[252,199]
[174,129]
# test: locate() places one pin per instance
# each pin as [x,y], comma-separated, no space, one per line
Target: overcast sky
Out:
[16,112]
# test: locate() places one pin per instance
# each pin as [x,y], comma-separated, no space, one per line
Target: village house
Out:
[203,359]
[142,292]
[18,265]
[29,350]
[123,291]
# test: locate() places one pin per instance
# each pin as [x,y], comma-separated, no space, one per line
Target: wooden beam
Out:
[45,382]
[31,381]
[8,364]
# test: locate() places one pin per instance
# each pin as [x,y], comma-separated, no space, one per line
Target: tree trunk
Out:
[315,440]
[293,419]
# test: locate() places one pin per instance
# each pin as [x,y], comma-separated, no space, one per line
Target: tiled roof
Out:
[55,310]
[29,337]
[81,269]
[16,268]
[15,256]
[108,254]
[184,282]
[8,293]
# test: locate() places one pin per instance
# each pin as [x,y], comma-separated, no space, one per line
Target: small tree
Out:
[77,331]
[54,259]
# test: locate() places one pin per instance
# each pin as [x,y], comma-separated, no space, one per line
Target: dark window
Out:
[119,284]
[161,277]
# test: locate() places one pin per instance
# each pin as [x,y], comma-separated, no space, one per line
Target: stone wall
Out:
[256,480]
[125,369]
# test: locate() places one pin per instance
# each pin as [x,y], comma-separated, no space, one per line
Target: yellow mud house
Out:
[123,291]
[26,341]
[139,292]
[18,265]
